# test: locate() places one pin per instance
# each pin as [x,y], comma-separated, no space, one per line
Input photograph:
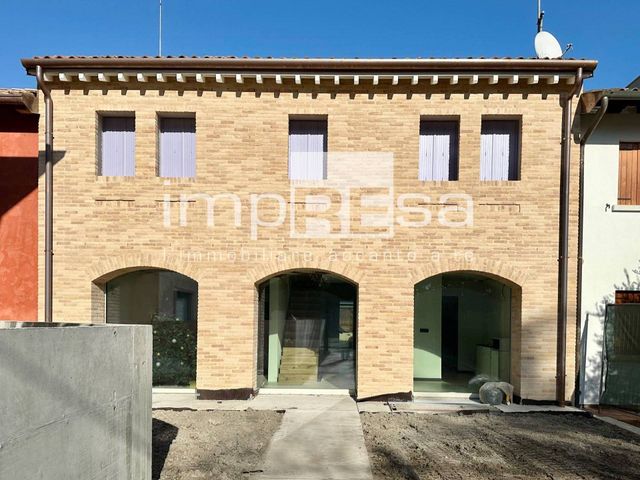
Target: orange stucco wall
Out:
[18,215]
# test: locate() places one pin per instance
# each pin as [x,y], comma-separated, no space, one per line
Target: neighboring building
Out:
[18,205]
[293,212]
[611,237]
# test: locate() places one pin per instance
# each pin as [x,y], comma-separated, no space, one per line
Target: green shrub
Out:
[174,352]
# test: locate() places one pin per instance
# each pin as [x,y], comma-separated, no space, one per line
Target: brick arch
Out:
[106,270]
[348,272]
[497,271]
[490,268]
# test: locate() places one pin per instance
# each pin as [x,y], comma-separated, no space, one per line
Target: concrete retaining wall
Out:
[75,401]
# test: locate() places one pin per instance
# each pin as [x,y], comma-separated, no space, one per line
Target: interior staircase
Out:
[303,338]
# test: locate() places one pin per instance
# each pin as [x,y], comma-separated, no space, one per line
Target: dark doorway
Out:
[449,333]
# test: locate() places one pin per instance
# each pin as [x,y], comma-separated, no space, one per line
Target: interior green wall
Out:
[278,303]
[427,313]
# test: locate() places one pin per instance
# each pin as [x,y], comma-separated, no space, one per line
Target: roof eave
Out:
[310,65]
[22,100]
[590,100]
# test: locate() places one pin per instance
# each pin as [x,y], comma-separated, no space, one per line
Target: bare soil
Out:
[210,444]
[498,446]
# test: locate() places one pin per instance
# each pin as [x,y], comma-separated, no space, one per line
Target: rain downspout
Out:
[584,138]
[563,244]
[48,197]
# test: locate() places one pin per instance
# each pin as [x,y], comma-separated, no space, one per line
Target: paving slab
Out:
[618,423]
[260,402]
[321,439]
[187,401]
[303,402]
[516,408]
[447,395]
[433,408]
[447,400]
[374,407]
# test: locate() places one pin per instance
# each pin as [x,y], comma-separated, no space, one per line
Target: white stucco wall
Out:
[611,241]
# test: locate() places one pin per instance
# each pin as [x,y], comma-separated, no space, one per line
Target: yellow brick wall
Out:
[104,225]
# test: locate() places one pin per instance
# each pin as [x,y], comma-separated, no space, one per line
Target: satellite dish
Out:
[547,46]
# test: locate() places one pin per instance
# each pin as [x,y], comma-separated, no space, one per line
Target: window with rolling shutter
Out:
[117,146]
[177,147]
[500,150]
[629,174]
[438,150]
[307,149]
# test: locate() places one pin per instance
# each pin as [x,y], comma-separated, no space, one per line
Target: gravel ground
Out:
[498,446]
[217,445]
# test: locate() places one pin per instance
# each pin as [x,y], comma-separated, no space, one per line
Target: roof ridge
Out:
[269,57]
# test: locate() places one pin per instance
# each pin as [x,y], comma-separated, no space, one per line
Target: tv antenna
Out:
[160,31]
[540,15]
[546,45]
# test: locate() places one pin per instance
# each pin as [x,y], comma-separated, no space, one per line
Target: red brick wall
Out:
[18,215]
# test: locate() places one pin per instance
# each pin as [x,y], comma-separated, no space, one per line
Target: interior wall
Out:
[515,339]
[133,298]
[169,284]
[262,303]
[136,297]
[484,314]
[278,303]
[427,349]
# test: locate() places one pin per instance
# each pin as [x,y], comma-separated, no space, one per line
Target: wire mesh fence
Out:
[620,382]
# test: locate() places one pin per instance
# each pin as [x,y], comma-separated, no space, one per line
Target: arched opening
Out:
[307,326]
[462,328]
[168,301]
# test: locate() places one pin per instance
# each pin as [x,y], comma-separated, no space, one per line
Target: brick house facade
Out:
[108,225]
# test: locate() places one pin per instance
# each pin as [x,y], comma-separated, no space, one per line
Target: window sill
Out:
[175,180]
[156,179]
[438,183]
[114,179]
[499,183]
[308,183]
[625,208]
